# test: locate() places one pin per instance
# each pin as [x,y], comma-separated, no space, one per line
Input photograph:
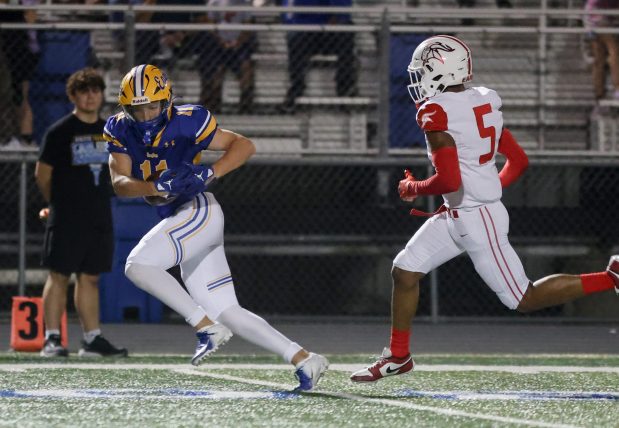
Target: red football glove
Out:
[404,188]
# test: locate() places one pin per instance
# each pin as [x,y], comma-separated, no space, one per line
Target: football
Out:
[158,200]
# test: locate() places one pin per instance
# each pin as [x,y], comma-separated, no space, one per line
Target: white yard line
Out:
[383,401]
[205,371]
[17,367]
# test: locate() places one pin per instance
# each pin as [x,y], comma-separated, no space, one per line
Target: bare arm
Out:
[43,177]
[237,150]
[439,139]
[123,183]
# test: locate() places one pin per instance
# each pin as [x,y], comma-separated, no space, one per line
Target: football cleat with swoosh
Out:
[387,365]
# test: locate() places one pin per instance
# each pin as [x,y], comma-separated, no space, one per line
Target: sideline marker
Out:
[27,326]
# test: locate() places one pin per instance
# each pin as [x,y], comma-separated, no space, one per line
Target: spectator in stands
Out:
[227,49]
[78,235]
[303,44]
[21,52]
[160,46]
[471,3]
[605,48]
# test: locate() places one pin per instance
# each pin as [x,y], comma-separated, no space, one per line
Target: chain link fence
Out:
[309,234]
[318,237]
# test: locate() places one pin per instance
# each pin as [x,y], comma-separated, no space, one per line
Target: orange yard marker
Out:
[27,326]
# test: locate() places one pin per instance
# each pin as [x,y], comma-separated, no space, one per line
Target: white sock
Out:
[48,333]
[203,329]
[256,330]
[292,351]
[156,281]
[89,336]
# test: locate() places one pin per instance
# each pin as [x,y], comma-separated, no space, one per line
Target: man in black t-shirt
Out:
[74,179]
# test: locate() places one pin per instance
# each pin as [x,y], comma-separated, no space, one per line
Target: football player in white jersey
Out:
[464,130]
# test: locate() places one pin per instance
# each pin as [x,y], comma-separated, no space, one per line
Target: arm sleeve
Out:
[447,178]
[517,160]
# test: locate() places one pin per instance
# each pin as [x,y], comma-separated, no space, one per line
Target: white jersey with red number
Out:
[473,119]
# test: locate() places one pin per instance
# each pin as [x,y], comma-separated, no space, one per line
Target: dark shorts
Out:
[211,55]
[21,62]
[78,251]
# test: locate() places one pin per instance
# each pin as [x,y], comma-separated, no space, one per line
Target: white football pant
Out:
[481,232]
[193,237]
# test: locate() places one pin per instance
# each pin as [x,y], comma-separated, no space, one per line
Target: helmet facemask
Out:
[419,90]
[130,110]
[153,124]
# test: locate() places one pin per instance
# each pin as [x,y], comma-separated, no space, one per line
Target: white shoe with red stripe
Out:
[613,271]
[387,365]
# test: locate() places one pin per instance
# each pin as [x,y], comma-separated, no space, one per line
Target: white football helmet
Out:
[438,62]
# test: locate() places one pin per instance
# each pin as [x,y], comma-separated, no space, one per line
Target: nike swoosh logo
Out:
[389,370]
[462,236]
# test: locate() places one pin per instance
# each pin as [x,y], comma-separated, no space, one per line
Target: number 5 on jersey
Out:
[485,132]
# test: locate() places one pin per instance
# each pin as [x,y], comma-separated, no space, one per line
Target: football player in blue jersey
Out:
[155,149]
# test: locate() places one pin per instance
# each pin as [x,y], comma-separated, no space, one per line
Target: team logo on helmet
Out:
[433,52]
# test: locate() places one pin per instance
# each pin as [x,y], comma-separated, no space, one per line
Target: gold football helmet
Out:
[146,84]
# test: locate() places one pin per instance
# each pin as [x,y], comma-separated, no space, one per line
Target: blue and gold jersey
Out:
[190,130]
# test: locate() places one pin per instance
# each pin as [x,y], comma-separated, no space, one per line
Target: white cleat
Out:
[309,371]
[209,341]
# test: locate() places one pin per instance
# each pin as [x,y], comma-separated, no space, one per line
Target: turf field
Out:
[443,391]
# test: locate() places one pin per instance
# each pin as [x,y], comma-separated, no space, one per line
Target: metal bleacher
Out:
[320,122]
[323,121]
[511,69]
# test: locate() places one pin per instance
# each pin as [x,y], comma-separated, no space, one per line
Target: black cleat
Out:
[100,347]
[53,347]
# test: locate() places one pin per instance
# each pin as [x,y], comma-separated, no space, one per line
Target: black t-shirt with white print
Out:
[80,190]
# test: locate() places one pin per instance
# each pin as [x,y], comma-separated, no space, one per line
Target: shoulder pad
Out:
[114,130]
[432,117]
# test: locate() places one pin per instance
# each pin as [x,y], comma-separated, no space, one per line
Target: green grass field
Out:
[238,391]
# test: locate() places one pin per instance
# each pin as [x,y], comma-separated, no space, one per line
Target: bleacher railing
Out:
[535,58]
[337,235]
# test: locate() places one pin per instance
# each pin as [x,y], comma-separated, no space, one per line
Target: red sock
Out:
[400,342]
[596,282]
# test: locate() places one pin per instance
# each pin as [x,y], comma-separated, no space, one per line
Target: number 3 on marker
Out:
[489,132]
[33,310]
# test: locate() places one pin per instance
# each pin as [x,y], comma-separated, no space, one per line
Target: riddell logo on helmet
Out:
[433,52]
[139,100]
